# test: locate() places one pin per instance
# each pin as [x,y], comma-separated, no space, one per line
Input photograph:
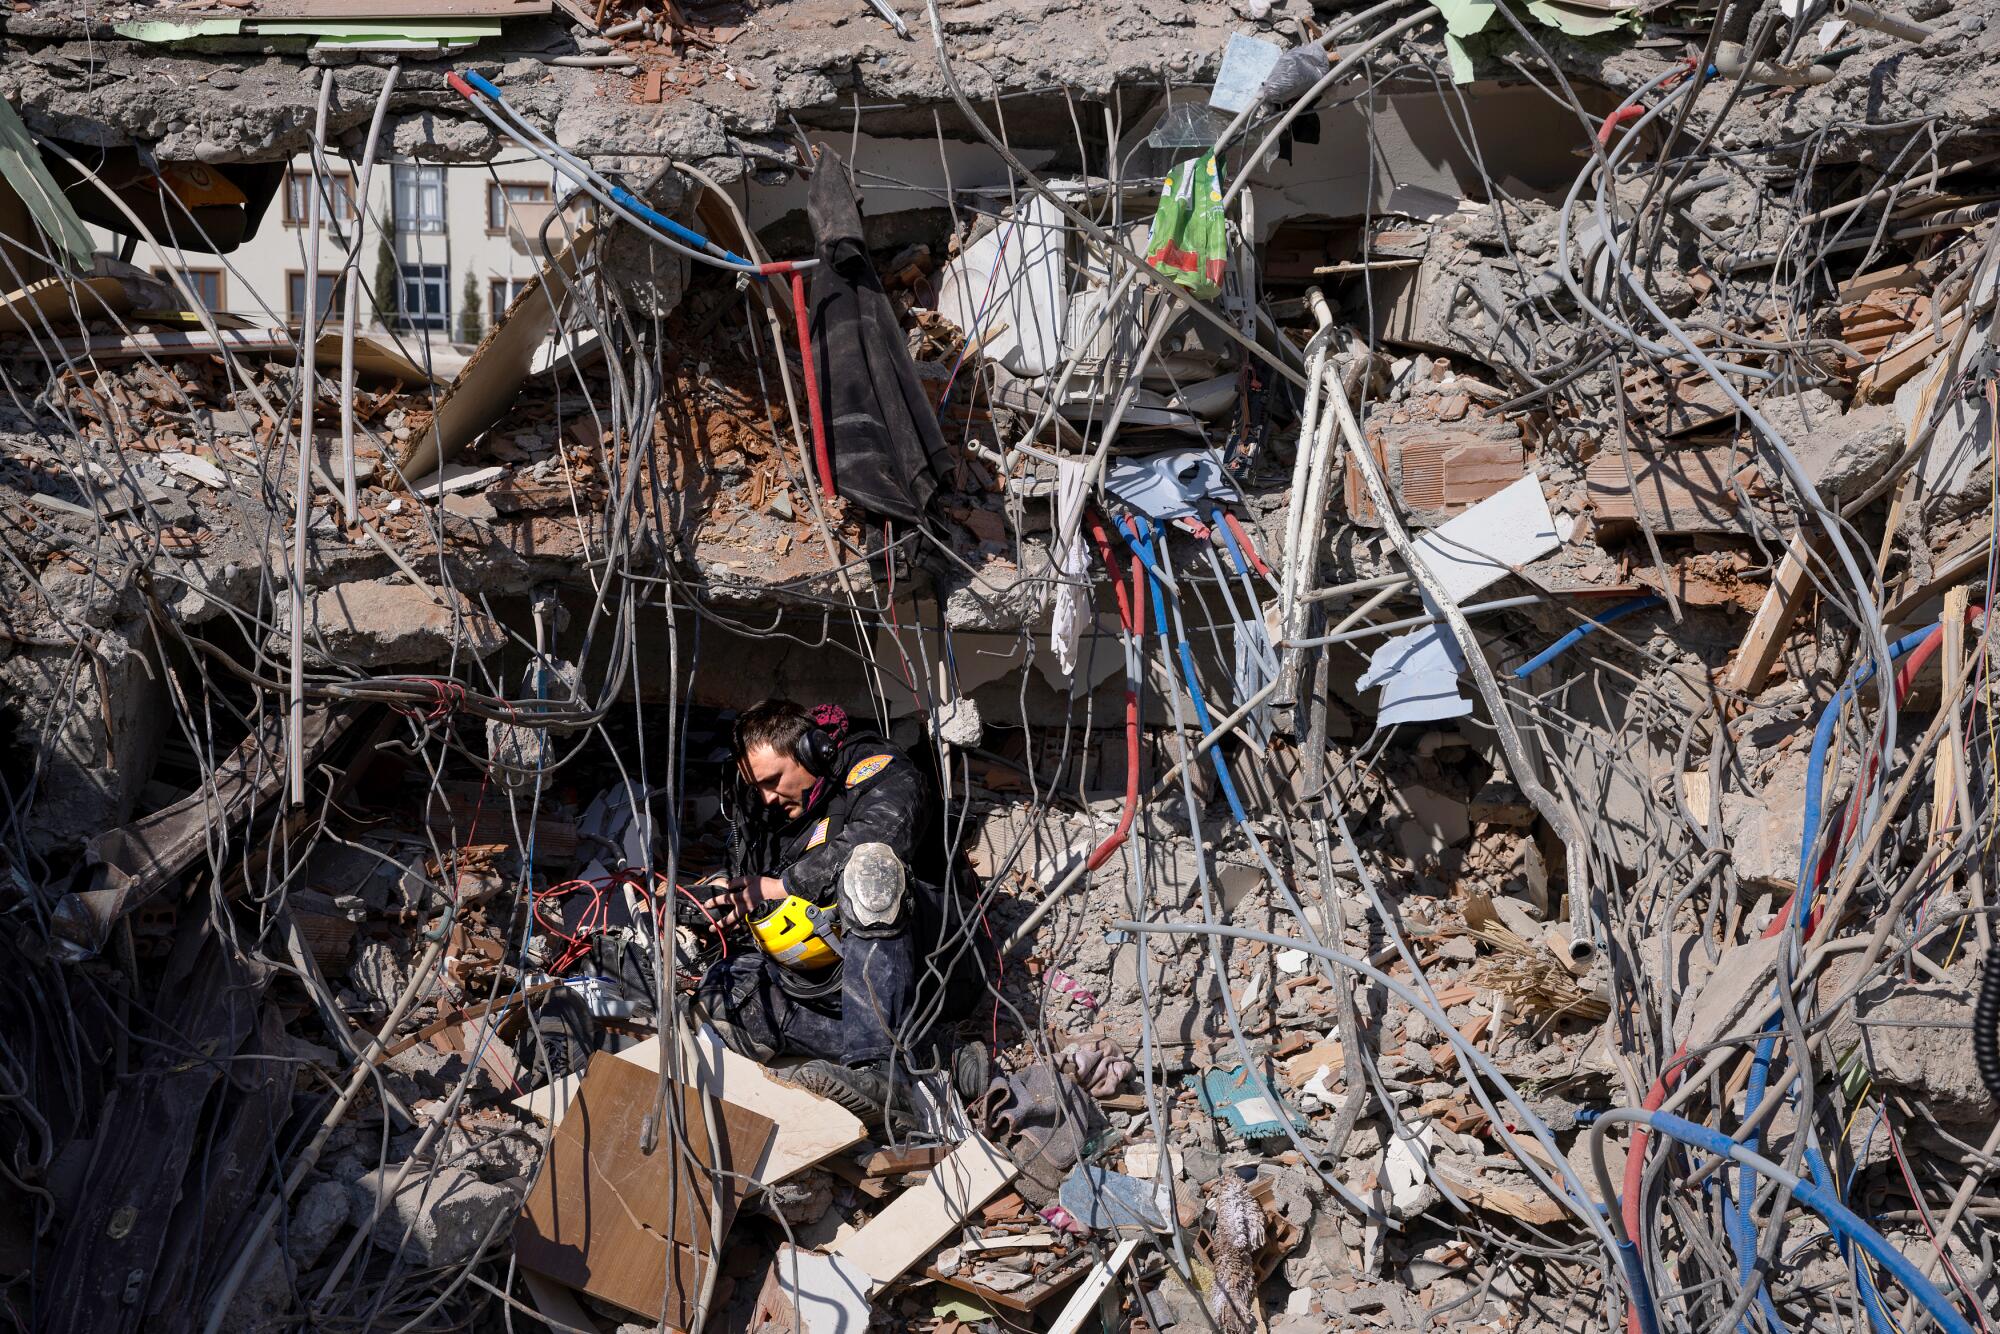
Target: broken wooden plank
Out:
[491,380]
[1765,640]
[898,1159]
[1095,1284]
[920,1218]
[65,301]
[371,358]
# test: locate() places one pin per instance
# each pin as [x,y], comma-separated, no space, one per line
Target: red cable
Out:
[1635,1156]
[1635,1162]
[1132,612]
[1243,540]
[821,459]
[1617,118]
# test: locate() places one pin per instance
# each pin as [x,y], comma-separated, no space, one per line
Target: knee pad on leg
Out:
[871,891]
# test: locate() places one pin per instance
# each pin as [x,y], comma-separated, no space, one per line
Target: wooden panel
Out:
[811,1129]
[350,10]
[921,1217]
[627,1227]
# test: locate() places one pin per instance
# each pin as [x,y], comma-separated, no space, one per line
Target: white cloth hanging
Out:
[1072,565]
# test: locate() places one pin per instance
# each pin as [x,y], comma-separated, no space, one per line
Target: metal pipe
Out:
[295,750]
[1413,622]
[1729,60]
[351,276]
[1863,15]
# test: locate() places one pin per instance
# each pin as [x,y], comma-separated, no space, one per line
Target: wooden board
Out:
[631,1228]
[371,358]
[1084,1301]
[811,1129]
[490,382]
[1048,1282]
[921,1217]
[352,10]
[1752,665]
[49,302]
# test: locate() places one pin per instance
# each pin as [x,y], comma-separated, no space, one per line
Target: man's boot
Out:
[971,1069]
[864,1090]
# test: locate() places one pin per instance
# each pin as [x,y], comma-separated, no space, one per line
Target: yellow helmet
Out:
[799,933]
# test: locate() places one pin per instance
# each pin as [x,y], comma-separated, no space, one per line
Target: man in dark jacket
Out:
[846,823]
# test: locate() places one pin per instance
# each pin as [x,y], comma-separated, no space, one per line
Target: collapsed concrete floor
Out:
[1454,710]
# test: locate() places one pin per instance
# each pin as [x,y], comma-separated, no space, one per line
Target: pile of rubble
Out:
[1433,556]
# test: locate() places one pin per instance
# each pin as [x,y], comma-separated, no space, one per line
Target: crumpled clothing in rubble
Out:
[888,454]
[1189,241]
[1100,1065]
[1044,1121]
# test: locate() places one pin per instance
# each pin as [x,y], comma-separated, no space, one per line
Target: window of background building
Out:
[419,199]
[426,300]
[500,294]
[336,205]
[502,196]
[204,283]
[332,292]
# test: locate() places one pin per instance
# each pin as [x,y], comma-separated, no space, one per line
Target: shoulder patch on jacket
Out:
[867,769]
[818,833]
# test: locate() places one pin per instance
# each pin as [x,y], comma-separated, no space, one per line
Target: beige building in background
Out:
[451,224]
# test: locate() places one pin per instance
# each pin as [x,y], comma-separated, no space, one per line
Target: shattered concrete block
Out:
[383,624]
[1764,830]
[264,1302]
[1918,1038]
[959,723]
[435,1219]
[320,1214]
[380,972]
[1842,452]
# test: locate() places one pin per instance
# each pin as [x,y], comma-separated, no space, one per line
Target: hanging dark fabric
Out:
[888,453]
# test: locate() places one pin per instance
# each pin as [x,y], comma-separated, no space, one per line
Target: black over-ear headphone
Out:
[816,750]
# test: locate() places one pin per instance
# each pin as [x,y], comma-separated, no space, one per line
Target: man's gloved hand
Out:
[741,898]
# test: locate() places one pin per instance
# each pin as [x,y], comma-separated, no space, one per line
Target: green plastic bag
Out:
[1190,236]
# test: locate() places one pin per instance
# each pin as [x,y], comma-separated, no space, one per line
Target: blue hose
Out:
[619,194]
[1138,535]
[1843,1221]
[1743,1236]
[1570,640]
